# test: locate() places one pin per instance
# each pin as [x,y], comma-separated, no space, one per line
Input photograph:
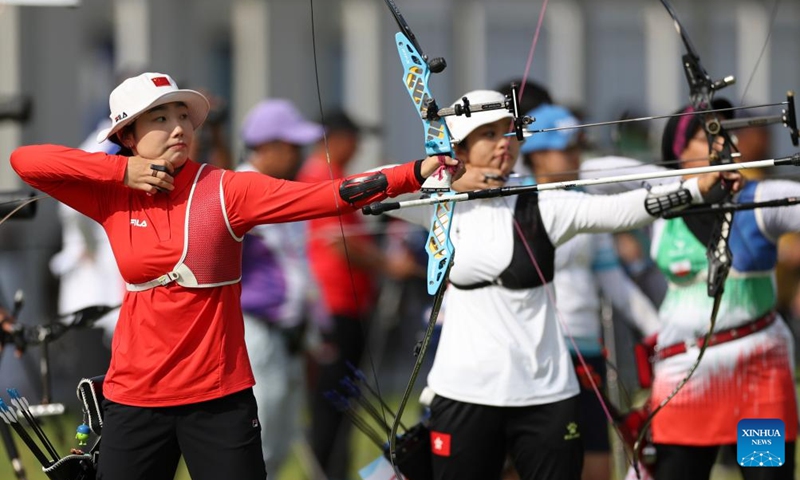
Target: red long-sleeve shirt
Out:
[175,345]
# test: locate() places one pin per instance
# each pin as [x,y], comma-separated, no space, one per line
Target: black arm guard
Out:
[363,186]
[657,204]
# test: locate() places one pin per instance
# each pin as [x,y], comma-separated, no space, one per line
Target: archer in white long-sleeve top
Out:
[503,377]
[587,269]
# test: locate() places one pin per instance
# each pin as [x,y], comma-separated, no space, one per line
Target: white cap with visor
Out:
[138,94]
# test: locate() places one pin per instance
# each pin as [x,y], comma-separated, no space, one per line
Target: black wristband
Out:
[418,171]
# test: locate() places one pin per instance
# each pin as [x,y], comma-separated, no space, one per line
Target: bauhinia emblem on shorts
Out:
[572,431]
[440,443]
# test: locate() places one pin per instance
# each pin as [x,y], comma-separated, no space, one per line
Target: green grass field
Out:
[62,431]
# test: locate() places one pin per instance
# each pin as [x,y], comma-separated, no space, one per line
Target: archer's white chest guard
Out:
[212,253]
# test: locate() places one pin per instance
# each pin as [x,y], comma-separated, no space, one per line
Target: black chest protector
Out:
[521,273]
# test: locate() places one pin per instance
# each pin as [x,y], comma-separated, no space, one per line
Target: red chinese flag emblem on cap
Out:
[440,443]
[160,81]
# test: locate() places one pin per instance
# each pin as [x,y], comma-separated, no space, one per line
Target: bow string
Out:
[718,254]
[417,69]
[702,88]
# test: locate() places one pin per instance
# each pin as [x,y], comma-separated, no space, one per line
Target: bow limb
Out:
[416,74]
[420,351]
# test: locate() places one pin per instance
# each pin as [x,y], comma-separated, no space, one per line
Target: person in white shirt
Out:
[747,370]
[586,266]
[502,375]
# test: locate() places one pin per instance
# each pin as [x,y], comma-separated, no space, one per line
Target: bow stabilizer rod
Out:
[733,207]
[379,208]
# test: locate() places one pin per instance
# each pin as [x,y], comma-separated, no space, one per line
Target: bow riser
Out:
[439,247]
[416,74]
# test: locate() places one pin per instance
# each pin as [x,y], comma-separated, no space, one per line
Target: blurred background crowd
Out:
[334,63]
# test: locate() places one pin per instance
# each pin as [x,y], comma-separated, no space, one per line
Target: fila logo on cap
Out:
[160,81]
[121,116]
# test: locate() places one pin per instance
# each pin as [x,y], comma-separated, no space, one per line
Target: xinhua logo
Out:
[760,442]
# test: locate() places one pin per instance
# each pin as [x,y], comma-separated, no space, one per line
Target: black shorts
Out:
[218,439]
[471,441]
[593,420]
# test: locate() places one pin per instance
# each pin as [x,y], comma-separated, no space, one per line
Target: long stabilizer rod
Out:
[378,208]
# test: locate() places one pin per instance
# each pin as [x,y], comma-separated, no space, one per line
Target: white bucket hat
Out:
[138,94]
[461,126]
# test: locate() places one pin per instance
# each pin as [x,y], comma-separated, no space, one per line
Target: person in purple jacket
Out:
[279,295]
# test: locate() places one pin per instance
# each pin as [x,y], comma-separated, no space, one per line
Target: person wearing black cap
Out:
[342,135]
[683,137]
[748,370]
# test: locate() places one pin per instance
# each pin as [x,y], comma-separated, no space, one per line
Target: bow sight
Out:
[430,109]
[787,118]
[511,103]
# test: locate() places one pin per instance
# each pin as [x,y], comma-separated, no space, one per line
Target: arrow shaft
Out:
[508,191]
[25,408]
[10,419]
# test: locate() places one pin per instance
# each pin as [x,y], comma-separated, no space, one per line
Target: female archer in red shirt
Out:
[180,381]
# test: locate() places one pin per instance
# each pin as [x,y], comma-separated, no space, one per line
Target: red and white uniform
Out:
[175,345]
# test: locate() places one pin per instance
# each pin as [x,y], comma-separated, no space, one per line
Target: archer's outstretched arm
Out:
[565,214]
[777,221]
